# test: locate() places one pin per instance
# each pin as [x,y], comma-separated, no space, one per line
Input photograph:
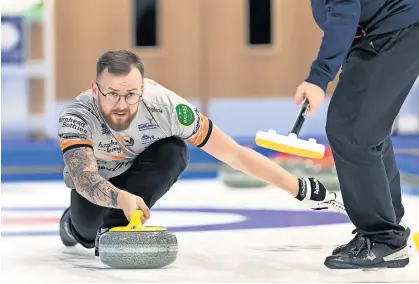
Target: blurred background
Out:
[238,61]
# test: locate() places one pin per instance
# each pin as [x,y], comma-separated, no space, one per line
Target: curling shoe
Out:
[369,255]
[357,241]
[65,233]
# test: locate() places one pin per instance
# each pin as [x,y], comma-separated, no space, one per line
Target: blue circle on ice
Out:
[251,219]
[260,219]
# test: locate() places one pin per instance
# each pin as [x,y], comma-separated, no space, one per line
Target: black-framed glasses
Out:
[113,97]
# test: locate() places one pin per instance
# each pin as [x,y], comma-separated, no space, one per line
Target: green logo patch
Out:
[185,114]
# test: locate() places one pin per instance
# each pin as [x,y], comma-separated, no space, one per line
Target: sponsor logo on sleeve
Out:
[73,123]
[185,114]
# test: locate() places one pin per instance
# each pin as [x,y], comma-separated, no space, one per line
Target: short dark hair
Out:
[118,62]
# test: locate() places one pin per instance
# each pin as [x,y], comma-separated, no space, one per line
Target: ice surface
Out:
[225,235]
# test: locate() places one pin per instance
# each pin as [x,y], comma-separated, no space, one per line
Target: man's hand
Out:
[129,203]
[314,94]
[314,194]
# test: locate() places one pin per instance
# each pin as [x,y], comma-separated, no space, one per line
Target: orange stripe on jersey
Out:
[65,143]
[202,132]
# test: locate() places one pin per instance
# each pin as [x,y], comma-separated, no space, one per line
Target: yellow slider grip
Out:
[135,225]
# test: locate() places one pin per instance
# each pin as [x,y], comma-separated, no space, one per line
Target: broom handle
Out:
[298,124]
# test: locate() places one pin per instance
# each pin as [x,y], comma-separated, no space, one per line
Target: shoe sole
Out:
[384,264]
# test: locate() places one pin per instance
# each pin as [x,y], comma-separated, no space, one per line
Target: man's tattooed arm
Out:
[84,172]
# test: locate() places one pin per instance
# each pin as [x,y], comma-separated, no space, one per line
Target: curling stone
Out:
[137,247]
[237,179]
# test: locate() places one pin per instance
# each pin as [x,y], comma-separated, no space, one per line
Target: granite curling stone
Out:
[137,247]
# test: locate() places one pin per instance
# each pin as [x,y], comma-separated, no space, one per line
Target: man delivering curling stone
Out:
[123,147]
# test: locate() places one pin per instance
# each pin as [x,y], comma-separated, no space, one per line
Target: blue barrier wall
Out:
[42,160]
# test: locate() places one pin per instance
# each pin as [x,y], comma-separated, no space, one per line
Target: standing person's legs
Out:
[376,80]
[393,178]
[152,174]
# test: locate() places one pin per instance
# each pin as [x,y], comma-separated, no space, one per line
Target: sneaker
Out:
[65,234]
[357,241]
[369,255]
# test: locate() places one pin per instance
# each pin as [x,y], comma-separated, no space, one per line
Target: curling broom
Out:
[291,144]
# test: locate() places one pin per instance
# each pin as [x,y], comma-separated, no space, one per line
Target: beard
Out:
[119,120]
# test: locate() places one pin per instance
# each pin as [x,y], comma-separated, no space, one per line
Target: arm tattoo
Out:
[84,172]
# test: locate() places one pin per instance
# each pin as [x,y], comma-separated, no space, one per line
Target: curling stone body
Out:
[138,250]
[137,247]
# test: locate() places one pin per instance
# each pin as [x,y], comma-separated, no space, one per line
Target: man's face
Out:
[118,97]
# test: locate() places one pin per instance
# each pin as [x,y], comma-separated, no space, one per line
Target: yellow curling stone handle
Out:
[135,225]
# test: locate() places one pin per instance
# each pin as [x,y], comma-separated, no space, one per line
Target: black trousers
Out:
[151,175]
[376,78]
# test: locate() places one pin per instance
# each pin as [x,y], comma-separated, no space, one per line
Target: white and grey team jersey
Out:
[161,113]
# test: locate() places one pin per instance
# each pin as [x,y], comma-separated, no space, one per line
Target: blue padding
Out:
[27,153]
[48,153]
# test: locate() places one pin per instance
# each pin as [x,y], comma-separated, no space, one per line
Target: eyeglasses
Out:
[131,98]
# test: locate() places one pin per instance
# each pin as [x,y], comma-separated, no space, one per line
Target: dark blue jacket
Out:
[342,20]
